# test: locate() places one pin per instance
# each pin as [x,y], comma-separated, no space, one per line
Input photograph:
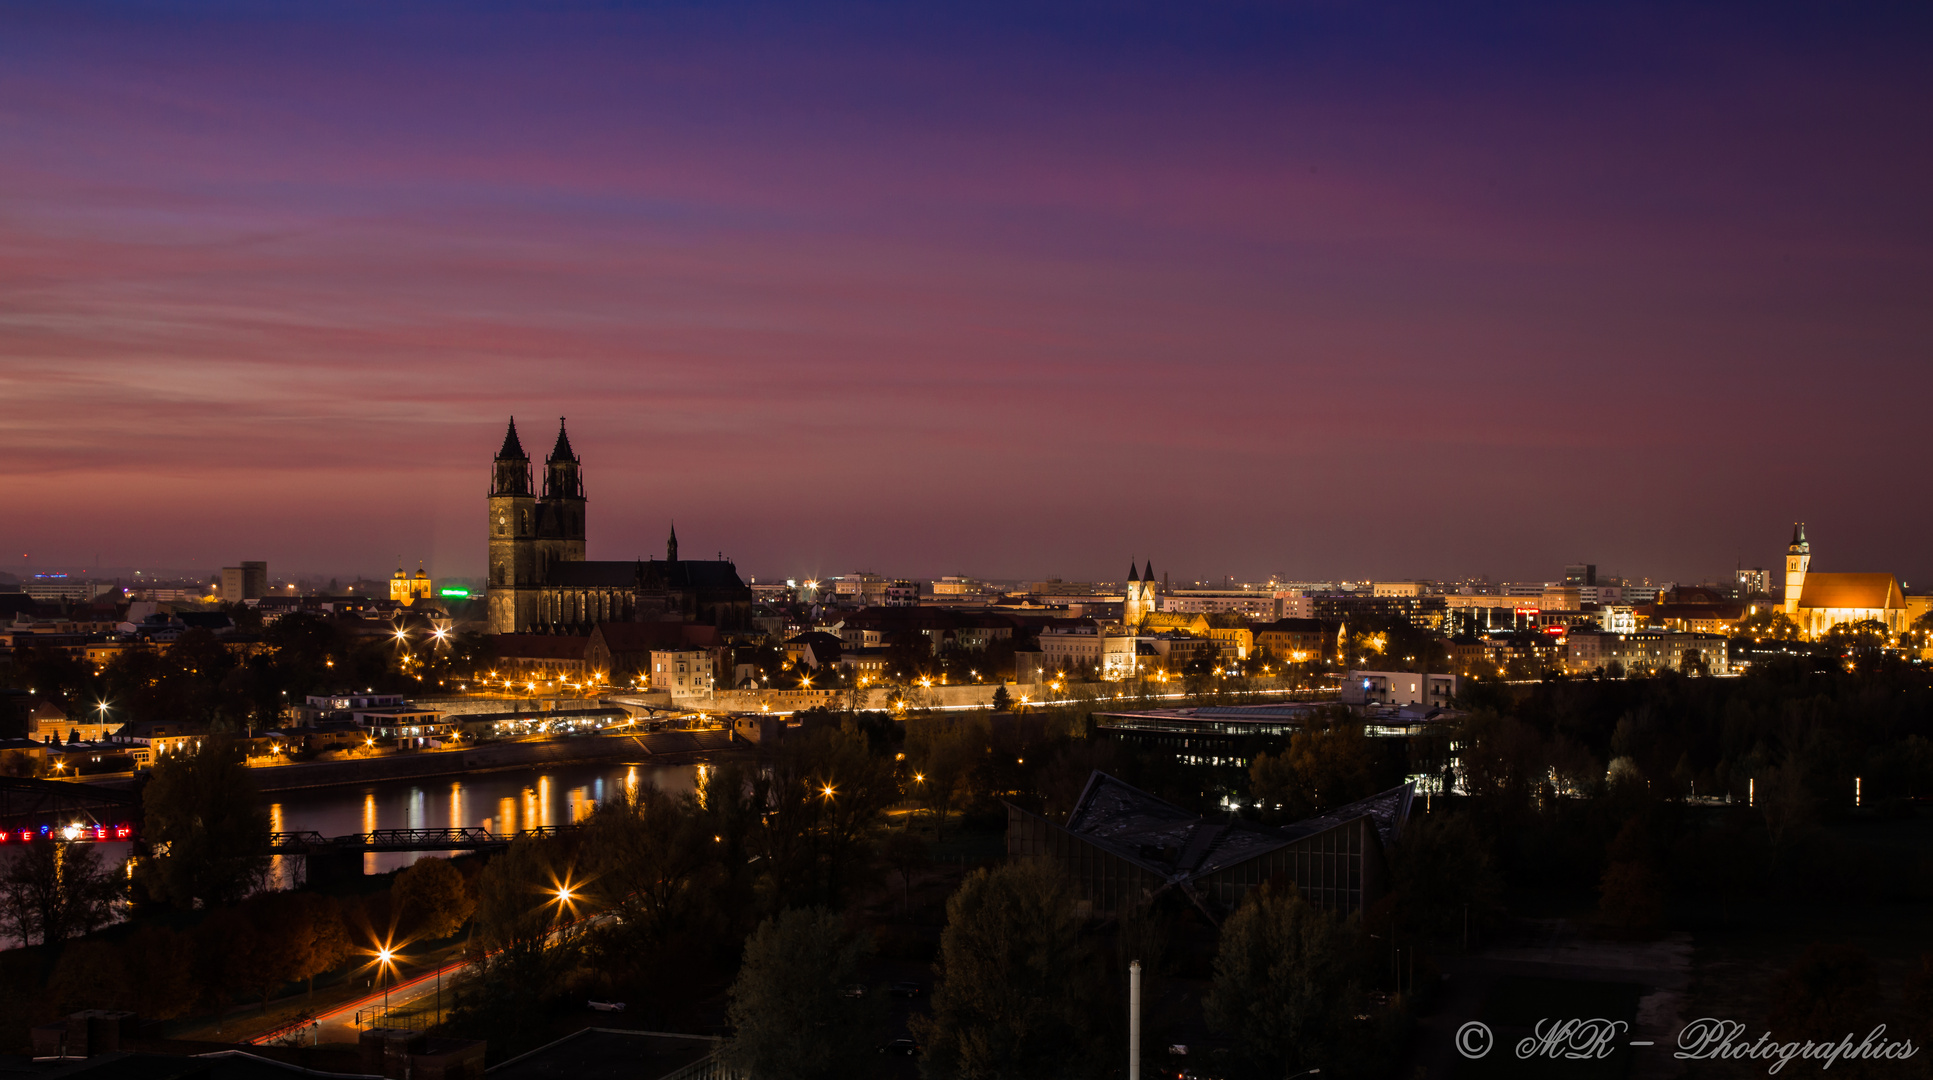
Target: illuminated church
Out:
[540,582]
[407,590]
[1817,602]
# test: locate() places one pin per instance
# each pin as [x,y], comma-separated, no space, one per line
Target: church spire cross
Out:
[562,451]
[671,545]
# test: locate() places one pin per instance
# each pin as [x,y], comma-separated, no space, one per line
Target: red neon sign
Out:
[90,833]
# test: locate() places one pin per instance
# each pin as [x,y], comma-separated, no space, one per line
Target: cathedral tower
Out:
[1798,556]
[560,510]
[513,547]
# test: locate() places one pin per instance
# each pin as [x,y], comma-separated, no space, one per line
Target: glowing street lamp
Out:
[385,965]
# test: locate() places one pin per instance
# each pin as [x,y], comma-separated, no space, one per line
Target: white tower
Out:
[1798,556]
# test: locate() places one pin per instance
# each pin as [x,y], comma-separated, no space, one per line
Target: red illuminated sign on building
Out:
[76,833]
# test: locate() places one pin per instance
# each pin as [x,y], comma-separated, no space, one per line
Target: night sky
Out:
[1324,290]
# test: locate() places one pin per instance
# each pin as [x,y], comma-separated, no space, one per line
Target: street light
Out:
[385,962]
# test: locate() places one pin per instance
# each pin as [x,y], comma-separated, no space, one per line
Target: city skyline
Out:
[1004,291]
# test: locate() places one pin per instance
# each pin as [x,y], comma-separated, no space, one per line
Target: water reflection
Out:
[498,801]
[281,868]
[369,819]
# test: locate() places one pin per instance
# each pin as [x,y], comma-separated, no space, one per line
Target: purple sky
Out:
[1321,290]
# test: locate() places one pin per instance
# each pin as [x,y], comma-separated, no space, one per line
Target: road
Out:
[338,1025]
[420,992]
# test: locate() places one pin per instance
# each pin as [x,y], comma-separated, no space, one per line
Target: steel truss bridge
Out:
[452,839]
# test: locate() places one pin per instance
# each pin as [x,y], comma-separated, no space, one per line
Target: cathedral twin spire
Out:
[512,475]
[513,447]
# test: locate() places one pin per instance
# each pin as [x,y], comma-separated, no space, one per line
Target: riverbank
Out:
[666,746]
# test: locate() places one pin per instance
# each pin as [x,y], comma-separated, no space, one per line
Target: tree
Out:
[232,958]
[1002,700]
[656,864]
[1862,636]
[328,944]
[1631,896]
[791,1016]
[208,830]
[943,752]
[160,967]
[432,898]
[907,855]
[300,935]
[1283,987]
[1444,877]
[823,797]
[1328,763]
[54,889]
[88,975]
[1768,623]
[1831,990]
[520,917]
[1007,1005]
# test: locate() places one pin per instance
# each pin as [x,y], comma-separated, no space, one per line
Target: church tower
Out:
[512,591]
[1139,601]
[1798,556]
[560,511]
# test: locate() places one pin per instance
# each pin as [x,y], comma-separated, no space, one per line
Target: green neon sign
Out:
[460,593]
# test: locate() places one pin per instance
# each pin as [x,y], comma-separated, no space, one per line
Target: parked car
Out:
[606,1006]
[907,989]
[902,1046]
[855,990]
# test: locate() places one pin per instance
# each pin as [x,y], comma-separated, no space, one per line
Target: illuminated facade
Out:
[407,590]
[1139,601]
[1817,602]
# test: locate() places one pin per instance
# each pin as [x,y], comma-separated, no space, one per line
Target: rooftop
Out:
[1167,840]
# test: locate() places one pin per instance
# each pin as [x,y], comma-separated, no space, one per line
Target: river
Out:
[504,801]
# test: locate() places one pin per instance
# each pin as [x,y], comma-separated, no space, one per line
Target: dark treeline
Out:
[200,681]
[1715,783]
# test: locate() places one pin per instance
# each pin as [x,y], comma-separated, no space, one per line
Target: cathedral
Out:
[540,582]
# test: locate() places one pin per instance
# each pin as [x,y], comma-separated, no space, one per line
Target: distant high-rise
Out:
[1580,574]
[248,581]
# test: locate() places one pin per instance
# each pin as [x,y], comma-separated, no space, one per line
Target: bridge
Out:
[329,858]
[452,839]
[40,806]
